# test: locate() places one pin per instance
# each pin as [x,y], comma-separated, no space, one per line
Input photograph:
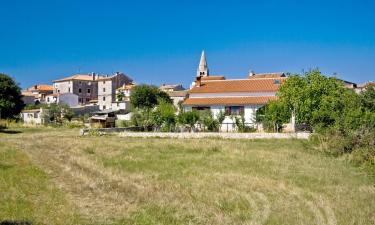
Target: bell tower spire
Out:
[203,68]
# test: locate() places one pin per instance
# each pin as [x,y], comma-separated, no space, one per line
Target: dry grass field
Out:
[53,176]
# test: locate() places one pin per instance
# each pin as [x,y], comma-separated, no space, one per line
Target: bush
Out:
[123,123]
[364,156]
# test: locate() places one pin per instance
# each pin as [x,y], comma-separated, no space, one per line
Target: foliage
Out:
[36,106]
[240,122]
[55,113]
[142,118]
[11,102]
[120,96]
[147,96]
[189,118]
[207,119]
[123,123]
[164,115]
[343,120]
[220,116]
[273,115]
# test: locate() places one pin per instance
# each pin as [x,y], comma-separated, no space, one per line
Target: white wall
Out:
[216,110]
[31,117]
[68,98]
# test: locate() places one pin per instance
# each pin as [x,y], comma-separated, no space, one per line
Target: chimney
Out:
[93,75]
[251,73]
[198,82]
[36,87]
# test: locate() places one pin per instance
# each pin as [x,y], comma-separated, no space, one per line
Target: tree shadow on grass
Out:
[10,132]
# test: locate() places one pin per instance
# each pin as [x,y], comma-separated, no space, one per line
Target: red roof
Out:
[243,85]
[228,101]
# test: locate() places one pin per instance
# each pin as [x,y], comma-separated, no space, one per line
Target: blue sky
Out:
[161,41]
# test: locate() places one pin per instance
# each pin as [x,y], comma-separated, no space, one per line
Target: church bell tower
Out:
[203,68]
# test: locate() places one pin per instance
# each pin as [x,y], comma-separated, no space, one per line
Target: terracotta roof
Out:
[126,87]
[243,85]
[28,93]
[213,78]
[178,93]
[228,101]
[79,77]
[41,87]
[267,75]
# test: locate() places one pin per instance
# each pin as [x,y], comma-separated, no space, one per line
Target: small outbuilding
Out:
[103,119]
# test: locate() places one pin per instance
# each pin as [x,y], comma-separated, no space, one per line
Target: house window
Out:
[87,99]
[103,89]
[234,110]
[80,82]
[276,81]
[79,90]
[35,115]
[104,107]
[104,82]
[201,108]
[103,98]
[89,91]
[69,90]
[58,91]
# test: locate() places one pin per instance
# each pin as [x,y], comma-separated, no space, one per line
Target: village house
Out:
[69,99]
[171,87]
[233,97]
[176,92]
[36,94]
[108,89]
[84,86]
[32,116]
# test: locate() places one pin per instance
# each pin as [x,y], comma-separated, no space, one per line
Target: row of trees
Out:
[343,120]
[153,110]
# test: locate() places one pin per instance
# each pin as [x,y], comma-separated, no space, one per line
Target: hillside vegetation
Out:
[53,176]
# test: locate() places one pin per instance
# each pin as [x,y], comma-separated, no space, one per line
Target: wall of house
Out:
[105,94]
[109,94]
[31,117]
[120,105]
[69,98]
[73,86]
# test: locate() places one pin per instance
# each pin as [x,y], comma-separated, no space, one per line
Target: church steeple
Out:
[203,68]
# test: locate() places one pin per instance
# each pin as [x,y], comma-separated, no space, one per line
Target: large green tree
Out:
[11,102]
[147,96]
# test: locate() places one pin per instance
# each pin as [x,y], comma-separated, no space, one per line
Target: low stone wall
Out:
[218,135]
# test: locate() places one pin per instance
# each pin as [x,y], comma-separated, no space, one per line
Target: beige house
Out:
[36,93]
[108,89]
[84,86]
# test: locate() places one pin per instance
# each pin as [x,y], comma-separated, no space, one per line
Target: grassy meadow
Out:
[54,176]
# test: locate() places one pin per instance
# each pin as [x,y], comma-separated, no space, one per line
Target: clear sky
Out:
[161,41]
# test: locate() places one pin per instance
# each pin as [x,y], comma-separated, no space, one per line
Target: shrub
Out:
[123,123]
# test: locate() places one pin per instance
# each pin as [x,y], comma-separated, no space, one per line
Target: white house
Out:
[234,97]
[32,116]
[65,98]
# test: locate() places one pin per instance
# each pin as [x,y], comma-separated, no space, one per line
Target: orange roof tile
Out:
[267,75]
[243,85]
[213,78]
[228,101]
[79,77]
[41,87]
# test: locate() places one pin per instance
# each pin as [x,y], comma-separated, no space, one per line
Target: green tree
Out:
[164,115]
[11,102]
[189,118]
[147,96]
[207,119]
